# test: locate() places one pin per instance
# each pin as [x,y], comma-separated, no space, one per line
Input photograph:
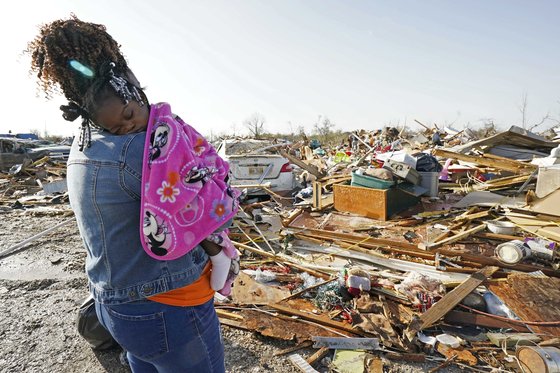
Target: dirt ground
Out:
[42,286]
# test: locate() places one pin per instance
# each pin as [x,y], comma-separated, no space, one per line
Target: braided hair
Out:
[81,60]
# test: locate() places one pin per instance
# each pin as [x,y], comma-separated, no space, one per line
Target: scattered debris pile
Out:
[31,183]
[428,248]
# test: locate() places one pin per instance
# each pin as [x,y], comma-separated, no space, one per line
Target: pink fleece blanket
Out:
[185,194]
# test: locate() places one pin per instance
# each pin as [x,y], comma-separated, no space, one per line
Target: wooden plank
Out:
[554,342]
[318,355]
[476,215]
[497,236]
[513,339]
[292,216]
[448,302]
[501,183]
[228,315]
[309,168]
[449,230]
[289,350]
[355,238]
[454,238]
[462,355]
[319,320]
[467,318]
[501,163]
[328,181]
[409,357]
[233,323]
[423,125]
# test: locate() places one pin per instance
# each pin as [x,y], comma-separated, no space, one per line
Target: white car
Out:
[250,164]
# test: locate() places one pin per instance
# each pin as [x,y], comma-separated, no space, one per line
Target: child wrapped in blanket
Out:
[186,200]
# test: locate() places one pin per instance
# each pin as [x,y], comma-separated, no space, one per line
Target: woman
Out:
[160,312]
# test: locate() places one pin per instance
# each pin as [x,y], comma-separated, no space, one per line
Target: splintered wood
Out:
[532,299]
[284,328]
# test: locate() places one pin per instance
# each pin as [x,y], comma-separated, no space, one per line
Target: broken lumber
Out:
[448,302]
[513,339]
[454,238]
[323,321]
[405,248]
[505,164]
[462,355]
[288,350]
[309,168]
[321,353]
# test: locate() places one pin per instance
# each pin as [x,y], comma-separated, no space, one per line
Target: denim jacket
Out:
[104,183]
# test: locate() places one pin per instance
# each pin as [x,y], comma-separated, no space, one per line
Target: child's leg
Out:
[220,264]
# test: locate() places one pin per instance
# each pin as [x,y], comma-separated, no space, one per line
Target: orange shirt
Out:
[195,294]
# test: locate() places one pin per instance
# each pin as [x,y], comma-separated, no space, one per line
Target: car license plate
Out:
[256,171]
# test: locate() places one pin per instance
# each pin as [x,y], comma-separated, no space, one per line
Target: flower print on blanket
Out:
[167,192]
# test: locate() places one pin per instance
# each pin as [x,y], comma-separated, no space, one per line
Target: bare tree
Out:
[255,125]
[525,119]
[323,128]
[523,110]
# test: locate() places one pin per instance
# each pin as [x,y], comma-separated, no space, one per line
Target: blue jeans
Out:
[161,338]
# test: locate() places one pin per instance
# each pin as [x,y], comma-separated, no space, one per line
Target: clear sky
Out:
[362,64]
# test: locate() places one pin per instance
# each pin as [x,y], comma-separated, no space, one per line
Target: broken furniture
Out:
[373,203]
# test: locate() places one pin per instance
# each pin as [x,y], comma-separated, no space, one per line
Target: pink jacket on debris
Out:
[185,195]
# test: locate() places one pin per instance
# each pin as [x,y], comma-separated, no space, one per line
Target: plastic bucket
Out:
[535,359]
[430,181]
[512,252]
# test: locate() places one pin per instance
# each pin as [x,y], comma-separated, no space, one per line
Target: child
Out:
[186,200]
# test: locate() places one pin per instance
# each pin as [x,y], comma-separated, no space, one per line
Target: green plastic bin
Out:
[370,182]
